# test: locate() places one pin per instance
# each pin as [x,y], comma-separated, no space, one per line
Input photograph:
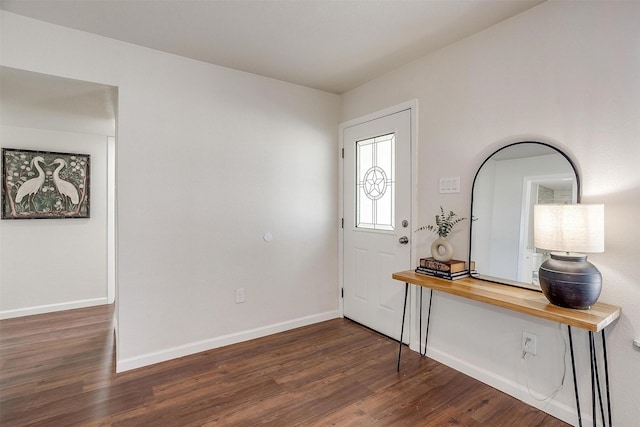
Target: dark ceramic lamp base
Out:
[569,280]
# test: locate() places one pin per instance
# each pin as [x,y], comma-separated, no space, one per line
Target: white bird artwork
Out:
[32,186]
[65,188]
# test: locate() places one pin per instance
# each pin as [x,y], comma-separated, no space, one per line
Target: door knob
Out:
[403,240]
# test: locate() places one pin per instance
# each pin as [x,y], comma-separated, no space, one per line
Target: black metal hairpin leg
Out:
[606,375]
[420,323]
[595,380]
[404,312]
[593,386]
[575,380]
[426,334]
[594,367]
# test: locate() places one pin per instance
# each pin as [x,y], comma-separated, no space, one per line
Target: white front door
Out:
[377,220]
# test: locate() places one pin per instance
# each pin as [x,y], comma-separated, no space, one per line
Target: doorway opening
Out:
[71,262]
[542,189]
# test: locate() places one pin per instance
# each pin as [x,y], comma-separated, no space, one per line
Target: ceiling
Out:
[329,45]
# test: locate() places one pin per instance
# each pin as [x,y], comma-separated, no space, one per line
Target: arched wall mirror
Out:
[505,188]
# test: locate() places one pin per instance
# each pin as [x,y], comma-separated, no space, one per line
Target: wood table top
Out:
[526,301]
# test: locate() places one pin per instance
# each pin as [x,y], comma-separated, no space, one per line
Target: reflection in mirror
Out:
[505,188]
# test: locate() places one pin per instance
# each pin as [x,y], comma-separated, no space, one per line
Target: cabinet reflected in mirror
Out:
[505,188]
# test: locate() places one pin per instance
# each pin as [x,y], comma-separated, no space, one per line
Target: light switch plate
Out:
[450,185]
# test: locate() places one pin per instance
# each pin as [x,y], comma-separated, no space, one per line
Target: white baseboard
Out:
[204,345]
[557,409]
[50,308]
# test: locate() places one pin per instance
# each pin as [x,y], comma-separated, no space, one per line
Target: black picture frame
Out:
[45,184]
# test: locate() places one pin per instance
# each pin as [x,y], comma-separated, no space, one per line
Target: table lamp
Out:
[567,279]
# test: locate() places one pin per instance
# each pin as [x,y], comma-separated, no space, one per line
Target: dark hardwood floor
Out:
[58,370]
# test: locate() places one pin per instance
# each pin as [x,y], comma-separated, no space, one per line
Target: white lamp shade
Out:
[569,228]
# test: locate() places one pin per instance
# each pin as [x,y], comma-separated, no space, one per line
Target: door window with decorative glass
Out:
[375,182]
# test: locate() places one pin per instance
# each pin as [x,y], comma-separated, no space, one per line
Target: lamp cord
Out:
[564,372]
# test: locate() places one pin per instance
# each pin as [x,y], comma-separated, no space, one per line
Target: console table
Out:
[533,303]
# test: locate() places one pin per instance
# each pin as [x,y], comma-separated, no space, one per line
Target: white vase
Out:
[441,249]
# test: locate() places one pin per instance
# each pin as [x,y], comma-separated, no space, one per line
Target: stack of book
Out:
[451,270]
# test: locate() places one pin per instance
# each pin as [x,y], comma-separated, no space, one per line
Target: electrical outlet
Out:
[239,295]
[529,343]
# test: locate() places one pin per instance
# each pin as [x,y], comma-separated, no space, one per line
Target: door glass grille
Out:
[375,182]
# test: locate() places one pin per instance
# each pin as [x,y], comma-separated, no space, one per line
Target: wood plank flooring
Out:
[58,370]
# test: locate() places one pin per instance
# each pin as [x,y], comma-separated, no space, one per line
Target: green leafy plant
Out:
[444,223]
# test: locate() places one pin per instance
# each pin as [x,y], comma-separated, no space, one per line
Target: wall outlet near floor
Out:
[239,295]
[529,343]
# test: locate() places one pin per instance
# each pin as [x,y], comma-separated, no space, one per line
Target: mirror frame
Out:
[505,281]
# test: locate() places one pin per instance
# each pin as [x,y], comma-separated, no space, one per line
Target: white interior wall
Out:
[53,264]
[111,220]
[209,159]
[565,73]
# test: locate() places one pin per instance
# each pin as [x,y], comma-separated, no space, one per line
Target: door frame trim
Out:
[412,106]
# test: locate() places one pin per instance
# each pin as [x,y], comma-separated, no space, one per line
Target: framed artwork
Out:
[44,184]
